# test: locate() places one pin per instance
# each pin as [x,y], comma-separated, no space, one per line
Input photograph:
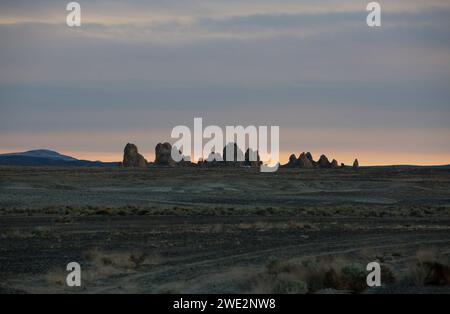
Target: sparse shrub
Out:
[416,213]
[120,261]
[102,212]
[273,266]
[217,228]
[307,226]
[429,274]
[288,286]
[260,212]
[41,232]
[387,275]
[138,259]
[15,234]
[437,274]
[354,277]
[314,275]
[430,268]
[63,220]
[332,279]
[106,260]
[169,291]
[50,210]
[56,277]
[143,212]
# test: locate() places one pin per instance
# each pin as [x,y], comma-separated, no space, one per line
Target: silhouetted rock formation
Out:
[311,159]
[239,159]
[305,162]
[356,164]
[132,158]
[214,160]
[334,164]
[252,158]
[163,155]
[293,162]
[184,162]
[214,157]
[324,162]
[238,154]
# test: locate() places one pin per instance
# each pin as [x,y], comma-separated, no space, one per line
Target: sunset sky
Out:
[136,69]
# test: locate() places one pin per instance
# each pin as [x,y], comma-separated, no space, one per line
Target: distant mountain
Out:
[41,153]
[45,157]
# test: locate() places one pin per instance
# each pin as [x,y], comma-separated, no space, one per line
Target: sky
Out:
[136,69]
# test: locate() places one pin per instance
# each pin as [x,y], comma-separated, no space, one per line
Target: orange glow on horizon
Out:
[364,158]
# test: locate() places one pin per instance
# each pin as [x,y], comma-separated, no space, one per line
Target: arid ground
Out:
[189,230]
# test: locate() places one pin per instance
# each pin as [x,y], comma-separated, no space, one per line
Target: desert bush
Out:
[41,232]
[63,220]
[387,275]
[314,275]
[428,269]
[354,277]
[273,266]
[121,260]
[15,234]
[138,259]
[287,285]
[415,212]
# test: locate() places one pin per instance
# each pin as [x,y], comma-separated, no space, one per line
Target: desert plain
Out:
[224,230]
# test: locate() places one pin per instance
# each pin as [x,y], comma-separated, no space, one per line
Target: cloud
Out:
[143,65]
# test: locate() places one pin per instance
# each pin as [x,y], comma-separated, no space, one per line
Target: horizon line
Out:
[108,157]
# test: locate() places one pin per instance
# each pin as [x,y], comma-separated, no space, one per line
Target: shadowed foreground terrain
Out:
[163,230]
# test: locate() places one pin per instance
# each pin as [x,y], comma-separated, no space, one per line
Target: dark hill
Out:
[44,157]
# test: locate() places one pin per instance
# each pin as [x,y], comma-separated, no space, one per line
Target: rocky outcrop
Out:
[184,162]
[252,158]
[311,159]
[334,164]
[239,159]
[132,158]
[238,154]
[214,157]
[305,162]
[163,155]
[293,162]
[356,164]
[324,162]
[214,160]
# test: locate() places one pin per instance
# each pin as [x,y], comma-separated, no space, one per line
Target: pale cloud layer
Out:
[312,67]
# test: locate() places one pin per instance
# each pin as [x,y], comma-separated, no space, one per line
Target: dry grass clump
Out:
[121,260]
[429,269]
[101,265]
[56,277]
[314,275]
[15,234]
[41,232]
[330,274]
[269,225]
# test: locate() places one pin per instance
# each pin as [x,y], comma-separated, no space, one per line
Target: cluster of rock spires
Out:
[163,157]
[249,159]
[306,161]
[132,158]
